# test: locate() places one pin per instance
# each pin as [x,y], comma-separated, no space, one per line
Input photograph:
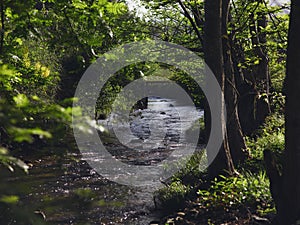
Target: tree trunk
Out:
[236,141]
[214,59]
[254,104]
[291,175]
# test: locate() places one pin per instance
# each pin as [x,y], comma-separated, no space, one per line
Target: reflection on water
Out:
[67,191]
[70,192]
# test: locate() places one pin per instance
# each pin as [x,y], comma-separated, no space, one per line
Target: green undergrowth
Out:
[248,191]
[270,136]
[182,185]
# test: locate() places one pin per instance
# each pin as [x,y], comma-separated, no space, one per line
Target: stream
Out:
[68,191]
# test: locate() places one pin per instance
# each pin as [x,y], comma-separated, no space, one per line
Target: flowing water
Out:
[66,190]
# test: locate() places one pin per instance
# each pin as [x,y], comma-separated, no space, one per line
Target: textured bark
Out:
[236,140]
[214,59]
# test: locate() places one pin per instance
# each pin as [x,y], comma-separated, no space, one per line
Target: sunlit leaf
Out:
[9,199]
[21,100]
[25,134]
[79,4]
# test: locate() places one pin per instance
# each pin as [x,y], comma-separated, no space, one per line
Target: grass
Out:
[247,192]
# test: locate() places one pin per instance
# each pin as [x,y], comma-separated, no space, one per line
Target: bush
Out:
[182,184]
[270,136]
[247,190]
[171,197]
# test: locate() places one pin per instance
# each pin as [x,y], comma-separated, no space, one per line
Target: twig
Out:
[191,21]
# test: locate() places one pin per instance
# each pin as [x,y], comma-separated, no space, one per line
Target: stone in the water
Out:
[154,223]
[102,116]
[136,113]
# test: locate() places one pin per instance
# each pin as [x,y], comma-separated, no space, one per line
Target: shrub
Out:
[245,190]
[269,136]
[171,197]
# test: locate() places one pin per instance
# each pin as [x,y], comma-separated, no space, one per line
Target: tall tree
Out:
[290,212]
[235,135]
[214,59]
[285,188]
[254,80]
[236,142]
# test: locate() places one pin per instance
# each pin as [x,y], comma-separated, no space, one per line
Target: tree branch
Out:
[191,21]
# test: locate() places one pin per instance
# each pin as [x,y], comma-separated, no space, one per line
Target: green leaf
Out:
[5,72]
[79,4]
[19,41]
[35,97]
[256,62]
[3,151]
[116,8]
[21,100]
[9,199]
[25,134]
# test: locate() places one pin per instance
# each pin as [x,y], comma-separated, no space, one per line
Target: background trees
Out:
[245,55]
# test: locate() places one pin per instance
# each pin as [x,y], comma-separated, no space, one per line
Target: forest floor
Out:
[194,214]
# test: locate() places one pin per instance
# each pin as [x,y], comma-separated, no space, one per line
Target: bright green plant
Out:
[191,171]
[25,116]
[245,190]
[172,197]
[269,136]
[174,194]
